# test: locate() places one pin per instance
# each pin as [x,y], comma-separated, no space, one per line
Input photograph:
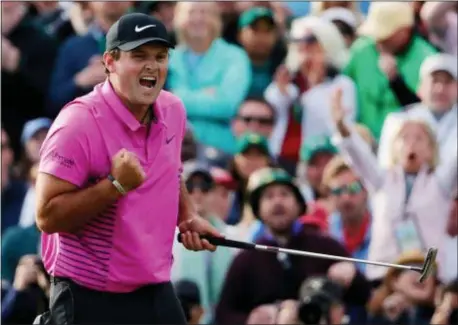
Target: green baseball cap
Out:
[252,15]
[265,177]
[314,145]
[250,140]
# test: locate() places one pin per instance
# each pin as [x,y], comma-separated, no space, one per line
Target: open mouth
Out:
[412,156]
[148,82]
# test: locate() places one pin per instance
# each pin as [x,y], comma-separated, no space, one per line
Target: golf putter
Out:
[428,265]
[425,270]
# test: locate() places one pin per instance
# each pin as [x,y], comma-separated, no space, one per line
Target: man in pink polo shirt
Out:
[109,190]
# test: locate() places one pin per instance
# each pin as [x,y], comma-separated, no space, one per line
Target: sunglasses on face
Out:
[266,121]
[204,187]
[352,189]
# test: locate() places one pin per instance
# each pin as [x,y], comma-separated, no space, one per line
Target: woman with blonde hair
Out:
[211,76]
[411,199]
[301,89]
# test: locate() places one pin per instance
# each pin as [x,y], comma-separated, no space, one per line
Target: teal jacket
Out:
[212,91]
[16,243]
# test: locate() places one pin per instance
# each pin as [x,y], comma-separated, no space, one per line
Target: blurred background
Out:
[273,69]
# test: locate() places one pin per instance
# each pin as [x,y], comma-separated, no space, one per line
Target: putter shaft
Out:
[335,258]
[271,249]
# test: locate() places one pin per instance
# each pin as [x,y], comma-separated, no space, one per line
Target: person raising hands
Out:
[404,220]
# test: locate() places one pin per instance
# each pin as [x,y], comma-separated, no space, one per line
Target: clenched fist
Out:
[126,169]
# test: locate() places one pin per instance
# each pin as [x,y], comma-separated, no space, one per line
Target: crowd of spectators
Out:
[351,105]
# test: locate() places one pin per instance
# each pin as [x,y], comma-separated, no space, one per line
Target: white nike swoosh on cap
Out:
[139,29]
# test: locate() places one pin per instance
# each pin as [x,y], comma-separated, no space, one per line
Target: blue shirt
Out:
[336,231]
[73,57]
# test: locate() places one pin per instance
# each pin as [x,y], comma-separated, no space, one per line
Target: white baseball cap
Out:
[439,62]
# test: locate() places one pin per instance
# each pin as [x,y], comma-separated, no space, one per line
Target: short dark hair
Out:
[261,100]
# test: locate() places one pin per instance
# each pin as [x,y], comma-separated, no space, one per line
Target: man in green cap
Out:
[256,282]
[315,154]
[252,154]
[258,34]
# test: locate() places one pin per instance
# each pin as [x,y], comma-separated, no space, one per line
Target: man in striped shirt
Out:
[109,189]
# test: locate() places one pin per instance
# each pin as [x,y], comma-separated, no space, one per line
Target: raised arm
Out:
[349,101]
[354,149]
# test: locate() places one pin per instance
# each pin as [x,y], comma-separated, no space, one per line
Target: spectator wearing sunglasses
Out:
[350,222]
[255,115]
[206,269]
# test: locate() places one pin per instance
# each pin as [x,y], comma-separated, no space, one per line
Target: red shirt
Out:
[293,137]
[353,241]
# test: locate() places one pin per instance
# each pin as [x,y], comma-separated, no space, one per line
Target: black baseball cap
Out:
[136,29]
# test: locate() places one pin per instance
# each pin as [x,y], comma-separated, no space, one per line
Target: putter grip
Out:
[217,241]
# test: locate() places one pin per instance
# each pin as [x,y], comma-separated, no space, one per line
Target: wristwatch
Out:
[117,185]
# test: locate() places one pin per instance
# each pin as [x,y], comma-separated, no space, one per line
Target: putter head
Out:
[428,265]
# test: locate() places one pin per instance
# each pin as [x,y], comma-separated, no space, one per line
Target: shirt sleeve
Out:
[65,153]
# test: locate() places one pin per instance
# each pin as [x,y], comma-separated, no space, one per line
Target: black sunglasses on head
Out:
[261,120]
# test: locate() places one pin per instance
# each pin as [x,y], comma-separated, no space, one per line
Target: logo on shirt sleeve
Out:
[62,160]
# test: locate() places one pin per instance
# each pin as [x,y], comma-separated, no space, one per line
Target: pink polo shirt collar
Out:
[123,113]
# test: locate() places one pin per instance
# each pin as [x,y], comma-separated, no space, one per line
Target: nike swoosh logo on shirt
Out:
[167,141]
[139,29]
